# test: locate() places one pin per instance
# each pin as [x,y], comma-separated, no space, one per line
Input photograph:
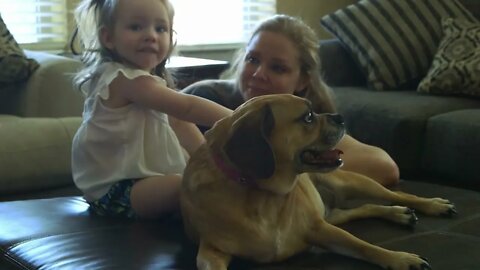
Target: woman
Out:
[282,57]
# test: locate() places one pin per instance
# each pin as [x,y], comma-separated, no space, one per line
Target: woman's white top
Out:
[130,142]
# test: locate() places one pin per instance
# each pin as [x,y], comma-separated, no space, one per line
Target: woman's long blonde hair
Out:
[91,16]
[307,43]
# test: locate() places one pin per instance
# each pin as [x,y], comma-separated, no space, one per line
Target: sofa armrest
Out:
[49,92]
[35,154]
[337,65]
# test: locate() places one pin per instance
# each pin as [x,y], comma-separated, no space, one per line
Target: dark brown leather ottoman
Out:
[60,233]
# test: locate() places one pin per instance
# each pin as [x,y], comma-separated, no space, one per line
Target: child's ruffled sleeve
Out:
[111,71]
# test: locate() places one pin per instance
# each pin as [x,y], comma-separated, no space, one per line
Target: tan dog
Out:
[250,190]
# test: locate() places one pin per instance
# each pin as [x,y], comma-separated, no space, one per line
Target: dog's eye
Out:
[308,118]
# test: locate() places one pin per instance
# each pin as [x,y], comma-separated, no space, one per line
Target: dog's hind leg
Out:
[398,214]
[210,258]
[348,185]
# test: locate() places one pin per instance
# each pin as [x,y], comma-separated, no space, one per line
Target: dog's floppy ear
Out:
[248,147]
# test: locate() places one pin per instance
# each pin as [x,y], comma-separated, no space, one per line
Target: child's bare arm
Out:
[187,133]
[146,91]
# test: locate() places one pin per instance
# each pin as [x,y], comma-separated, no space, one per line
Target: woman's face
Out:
[271,66]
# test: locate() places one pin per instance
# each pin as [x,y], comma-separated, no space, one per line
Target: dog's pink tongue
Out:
[328,157]
[332,154]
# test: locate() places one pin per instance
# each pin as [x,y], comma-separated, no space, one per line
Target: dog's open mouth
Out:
[322,159]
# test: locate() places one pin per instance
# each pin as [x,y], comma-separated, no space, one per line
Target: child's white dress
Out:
[130,142]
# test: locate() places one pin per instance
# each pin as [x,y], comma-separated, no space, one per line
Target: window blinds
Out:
[255,11]
[44,24]
[41,23]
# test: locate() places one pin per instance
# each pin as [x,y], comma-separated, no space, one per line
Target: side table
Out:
[187,70]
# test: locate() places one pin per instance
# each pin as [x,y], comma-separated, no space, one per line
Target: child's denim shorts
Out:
[116,203]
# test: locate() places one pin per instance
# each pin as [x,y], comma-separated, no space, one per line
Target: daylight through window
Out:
[43,24]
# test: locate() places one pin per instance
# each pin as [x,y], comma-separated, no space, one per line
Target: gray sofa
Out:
[432,138]
[60,232]
[37,121]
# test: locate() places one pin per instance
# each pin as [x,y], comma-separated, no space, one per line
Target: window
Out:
[41,23]
[218,21]
[44,24]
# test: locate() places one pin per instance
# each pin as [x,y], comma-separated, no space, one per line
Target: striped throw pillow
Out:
[473,6]
[393,41]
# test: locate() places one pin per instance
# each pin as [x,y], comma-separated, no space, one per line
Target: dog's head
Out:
[276,137]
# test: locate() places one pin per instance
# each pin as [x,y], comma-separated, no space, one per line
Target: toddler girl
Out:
[127,156]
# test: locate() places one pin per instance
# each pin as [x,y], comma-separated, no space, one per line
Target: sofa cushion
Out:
[394,120]
[7,92]
[456,66]
[35,153]
[451,147]
[14,65]
[393,41]
[337,66]
[60,233]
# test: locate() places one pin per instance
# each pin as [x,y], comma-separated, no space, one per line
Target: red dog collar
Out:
[231,172]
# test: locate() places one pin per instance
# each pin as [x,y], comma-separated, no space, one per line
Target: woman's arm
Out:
[368,160]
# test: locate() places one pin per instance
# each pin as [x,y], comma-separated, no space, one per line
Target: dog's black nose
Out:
[335,118]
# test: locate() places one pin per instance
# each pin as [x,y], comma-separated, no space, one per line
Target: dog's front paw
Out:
[407,261]
[438,207]
[403,215]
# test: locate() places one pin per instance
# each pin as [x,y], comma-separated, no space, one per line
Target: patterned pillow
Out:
[14,65]
[393,41]
[455,68]
[473,6]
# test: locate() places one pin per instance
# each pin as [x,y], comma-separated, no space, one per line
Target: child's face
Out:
[141,33]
